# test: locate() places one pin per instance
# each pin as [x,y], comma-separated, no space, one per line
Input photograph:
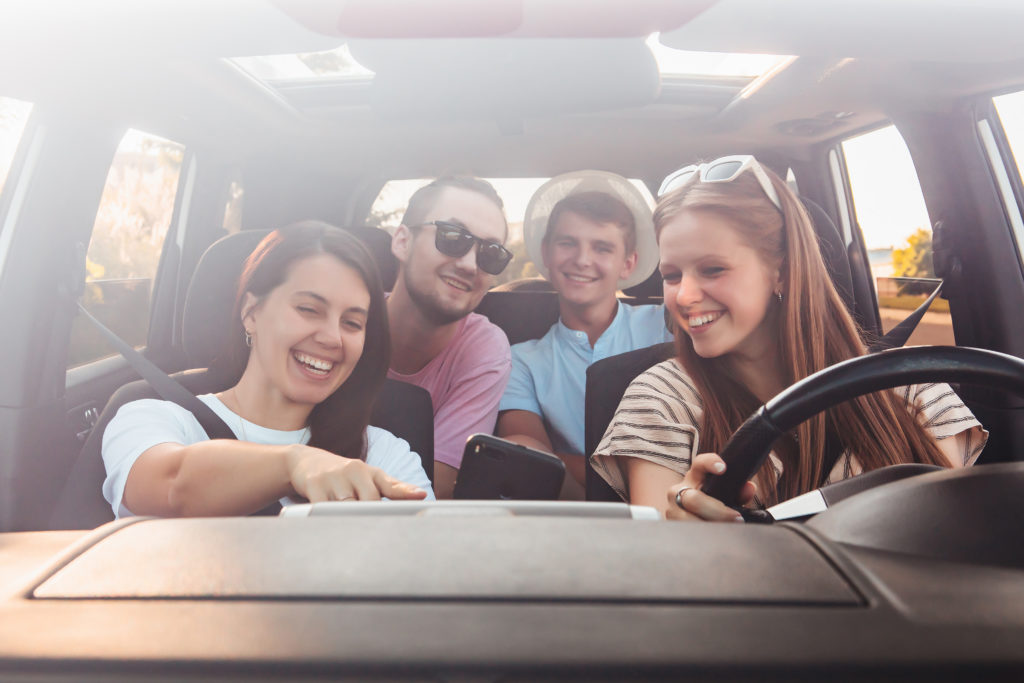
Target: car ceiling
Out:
[522,105]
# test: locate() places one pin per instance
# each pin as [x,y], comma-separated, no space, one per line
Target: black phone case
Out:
[496,469]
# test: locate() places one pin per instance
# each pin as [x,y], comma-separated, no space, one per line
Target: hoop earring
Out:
[248,338]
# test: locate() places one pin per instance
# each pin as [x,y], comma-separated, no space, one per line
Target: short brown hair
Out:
[423,199]
[599,207]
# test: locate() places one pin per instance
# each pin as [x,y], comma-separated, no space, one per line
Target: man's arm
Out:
[227,477]
[472,407]
[444,480]
[527,429]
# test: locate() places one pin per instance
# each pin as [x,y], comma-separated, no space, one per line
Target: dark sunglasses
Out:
[455,241]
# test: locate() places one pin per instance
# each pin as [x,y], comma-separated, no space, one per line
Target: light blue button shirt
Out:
[549,375]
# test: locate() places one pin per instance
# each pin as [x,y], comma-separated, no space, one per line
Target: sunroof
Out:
[339,64]
[332,64]
[673,62]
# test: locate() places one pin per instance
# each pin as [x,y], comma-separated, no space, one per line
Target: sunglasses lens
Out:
[725,170]
[452,240]
[677,179]
[493,258]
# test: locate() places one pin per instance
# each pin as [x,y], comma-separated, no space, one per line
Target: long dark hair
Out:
[815,330]
[338,423]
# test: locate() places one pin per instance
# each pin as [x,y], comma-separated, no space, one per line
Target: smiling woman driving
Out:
[755,311]
[308,356]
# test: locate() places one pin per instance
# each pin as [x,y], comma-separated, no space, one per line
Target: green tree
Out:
[914,260]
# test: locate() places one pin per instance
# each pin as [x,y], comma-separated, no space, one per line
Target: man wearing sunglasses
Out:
[590,233]
[450,248]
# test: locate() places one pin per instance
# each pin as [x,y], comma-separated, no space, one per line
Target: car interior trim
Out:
[1002,178]
[840,193]
[186,190]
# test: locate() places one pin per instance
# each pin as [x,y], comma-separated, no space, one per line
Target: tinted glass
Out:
[722,171]
[891,213]
[127,238]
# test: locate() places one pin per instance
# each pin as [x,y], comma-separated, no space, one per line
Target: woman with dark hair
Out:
[755,311]
[307,357]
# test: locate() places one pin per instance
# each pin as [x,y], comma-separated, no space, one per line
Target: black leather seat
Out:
[608,379]
[403,409]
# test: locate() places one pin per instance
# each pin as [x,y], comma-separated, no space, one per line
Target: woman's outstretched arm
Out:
[225,477]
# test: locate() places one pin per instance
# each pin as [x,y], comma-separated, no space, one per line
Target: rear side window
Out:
[515,193]
[13,117]
[890,210]
[131,224]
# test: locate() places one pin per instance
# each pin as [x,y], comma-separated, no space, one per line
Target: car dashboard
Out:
[482,591]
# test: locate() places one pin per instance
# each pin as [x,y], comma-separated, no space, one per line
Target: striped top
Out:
[660,412]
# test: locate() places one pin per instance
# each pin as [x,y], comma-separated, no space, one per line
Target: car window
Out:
[387,210]
[13,117]
[128,234]
[890,210]
[1010,108]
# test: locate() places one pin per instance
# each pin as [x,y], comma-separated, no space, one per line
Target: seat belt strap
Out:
[898,336]
[164,385]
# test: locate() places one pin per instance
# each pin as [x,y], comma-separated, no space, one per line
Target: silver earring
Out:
[248,338]
[778,295]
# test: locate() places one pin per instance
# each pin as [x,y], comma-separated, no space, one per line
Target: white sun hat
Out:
[535,223]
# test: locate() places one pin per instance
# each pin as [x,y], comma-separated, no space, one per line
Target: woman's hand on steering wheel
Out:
[318,475]
[688,503]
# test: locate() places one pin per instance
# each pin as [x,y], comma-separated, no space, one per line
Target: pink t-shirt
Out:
[465,381]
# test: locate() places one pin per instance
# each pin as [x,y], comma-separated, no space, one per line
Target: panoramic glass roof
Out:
[673,62]
[332,64]
[339,64]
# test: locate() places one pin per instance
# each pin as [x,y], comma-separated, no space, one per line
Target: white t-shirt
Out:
[140,425]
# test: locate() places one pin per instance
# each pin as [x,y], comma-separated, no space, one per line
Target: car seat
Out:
[403,409]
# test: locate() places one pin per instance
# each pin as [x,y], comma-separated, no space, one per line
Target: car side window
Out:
[13,117]
[890,210]
[1010,108]
[131,223]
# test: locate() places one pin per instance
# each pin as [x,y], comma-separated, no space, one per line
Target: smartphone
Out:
[497,469]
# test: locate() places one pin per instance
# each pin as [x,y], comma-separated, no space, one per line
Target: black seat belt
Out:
[171,390]
[164,385]
[898,336]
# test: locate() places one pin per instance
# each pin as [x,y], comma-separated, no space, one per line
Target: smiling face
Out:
[717,288]
[444,288]
[308,332]
[586,259]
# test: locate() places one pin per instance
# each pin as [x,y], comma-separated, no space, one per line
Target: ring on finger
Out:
[679,496]
[344,498]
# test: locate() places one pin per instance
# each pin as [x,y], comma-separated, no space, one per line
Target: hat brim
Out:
[535,222]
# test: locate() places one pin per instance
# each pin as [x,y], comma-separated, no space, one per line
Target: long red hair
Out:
[814,330]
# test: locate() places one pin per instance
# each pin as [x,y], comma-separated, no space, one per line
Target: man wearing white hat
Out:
[590,233]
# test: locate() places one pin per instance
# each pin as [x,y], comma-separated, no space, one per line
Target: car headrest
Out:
[833,252]
[211,294]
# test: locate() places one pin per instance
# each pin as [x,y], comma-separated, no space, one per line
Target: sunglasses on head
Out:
[723,170]
[454,240]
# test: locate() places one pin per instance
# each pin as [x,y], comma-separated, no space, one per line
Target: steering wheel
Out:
[749,446]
